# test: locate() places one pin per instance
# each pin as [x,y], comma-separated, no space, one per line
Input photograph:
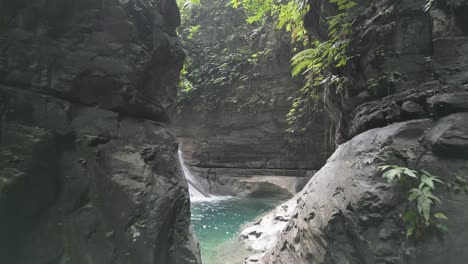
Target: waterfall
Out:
[196,190]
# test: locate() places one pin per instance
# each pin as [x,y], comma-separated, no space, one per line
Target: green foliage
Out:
[193,30]
[185,85]
[327,54]
[186,7]
[290,18]
[317,65]
[319,62]
[420,186]
[395,173]
[317,59]
[288,15]
[225,59]
[256,10]
[459,184]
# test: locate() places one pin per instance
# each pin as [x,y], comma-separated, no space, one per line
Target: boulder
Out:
[348,214]
[450,135]
[446,104]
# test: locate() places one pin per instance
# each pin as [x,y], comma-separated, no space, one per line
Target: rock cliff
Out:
[89,170]
[406,106]
[233,119]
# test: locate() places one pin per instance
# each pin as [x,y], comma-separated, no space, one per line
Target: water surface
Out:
[217,223]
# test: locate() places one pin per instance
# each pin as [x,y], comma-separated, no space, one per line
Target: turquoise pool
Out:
[217,223]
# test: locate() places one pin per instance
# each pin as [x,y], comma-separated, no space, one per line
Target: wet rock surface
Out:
[89,172]
[262,235]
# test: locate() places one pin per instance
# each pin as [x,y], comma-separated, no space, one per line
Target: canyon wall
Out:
[407,105]
[89,170]
[233,121]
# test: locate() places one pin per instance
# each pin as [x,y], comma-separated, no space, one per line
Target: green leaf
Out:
[441,216]
[414,193]
[424,207]
[409,231]
[426,172]
[437,179]
[433,197]
[385,167]
[427,180]
[409,217]
[410,173]
[391,175]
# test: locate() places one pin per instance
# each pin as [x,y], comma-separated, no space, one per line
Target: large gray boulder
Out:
[348,214]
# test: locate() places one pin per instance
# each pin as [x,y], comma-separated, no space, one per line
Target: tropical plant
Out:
[318,65]
[218,72]
[316,59]
[420,186]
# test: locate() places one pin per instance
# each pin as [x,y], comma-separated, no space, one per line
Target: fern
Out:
[303,61]
[317,58]
[317,62]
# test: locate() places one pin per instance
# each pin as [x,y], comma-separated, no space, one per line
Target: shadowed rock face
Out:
[118,55]
[411,64]
[88,170]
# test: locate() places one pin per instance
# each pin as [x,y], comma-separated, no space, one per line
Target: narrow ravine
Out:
[233,132]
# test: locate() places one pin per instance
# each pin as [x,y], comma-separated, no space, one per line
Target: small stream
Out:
[217,223]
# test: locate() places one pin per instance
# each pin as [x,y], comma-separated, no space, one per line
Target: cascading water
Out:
[196,190]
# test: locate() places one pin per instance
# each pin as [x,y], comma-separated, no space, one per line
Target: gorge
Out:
[233,131]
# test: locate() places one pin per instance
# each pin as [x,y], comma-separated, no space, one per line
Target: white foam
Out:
[212,198]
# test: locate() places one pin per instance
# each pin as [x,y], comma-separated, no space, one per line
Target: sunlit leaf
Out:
[441,216]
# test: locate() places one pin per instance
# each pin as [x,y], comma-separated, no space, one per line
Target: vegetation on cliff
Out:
[227,58]
[317,62]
